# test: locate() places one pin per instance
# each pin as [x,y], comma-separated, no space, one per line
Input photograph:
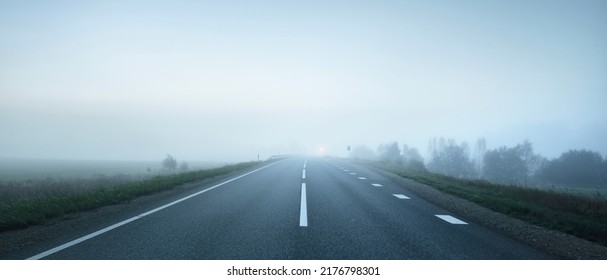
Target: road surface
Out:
[296,208]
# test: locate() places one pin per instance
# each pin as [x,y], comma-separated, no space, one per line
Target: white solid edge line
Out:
[451,219]
[303,208]
[117,225]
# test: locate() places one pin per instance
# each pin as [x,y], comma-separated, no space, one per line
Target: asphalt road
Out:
[297,208]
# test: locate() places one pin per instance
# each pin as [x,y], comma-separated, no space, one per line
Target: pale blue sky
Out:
[227,80]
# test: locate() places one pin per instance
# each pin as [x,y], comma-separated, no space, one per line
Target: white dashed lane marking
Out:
[303,211]
[451,219]
[303,207]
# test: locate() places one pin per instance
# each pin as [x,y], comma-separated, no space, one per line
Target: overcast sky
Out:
[228,80]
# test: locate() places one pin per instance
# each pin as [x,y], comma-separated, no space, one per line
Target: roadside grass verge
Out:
[26,212]
[584,216]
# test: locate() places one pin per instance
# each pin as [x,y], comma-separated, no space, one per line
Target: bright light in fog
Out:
[321,151]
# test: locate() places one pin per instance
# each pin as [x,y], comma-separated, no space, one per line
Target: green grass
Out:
[24,213]
[584,216]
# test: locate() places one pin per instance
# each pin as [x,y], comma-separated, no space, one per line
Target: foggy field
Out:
[29,202]
[37,169]
[26,179]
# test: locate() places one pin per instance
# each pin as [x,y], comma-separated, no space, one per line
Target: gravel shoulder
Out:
[556,243]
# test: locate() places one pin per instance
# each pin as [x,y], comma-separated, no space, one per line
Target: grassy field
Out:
[581,214]
[38,169]
[34,201]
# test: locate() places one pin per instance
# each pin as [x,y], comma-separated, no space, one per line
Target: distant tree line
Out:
[518,165]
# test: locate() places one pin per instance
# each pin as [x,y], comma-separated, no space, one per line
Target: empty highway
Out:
[296,208]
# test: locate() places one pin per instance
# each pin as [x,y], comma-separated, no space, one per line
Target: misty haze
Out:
[311,115]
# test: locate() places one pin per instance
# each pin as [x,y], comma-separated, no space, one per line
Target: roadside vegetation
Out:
[34,202]
[567,193]
[581,215]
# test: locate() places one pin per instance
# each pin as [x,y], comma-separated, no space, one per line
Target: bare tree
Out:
[169,163]
[390,153]
[449,158]
[412,159]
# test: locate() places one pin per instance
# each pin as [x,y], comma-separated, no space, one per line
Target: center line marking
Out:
[303,174]
[401,196]
[352,173]
[362,178]
[377,185]
[451,220]
[303,209]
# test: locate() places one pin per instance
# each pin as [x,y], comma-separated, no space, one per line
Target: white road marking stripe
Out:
[352,173]
[362,178]
[127,221]
[303,174]
[346,170]
[451,219]
[303,208]
[377,185]
[401,196]
[305,163]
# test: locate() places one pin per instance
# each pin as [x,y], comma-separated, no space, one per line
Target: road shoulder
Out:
[24,243]
[552,242]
